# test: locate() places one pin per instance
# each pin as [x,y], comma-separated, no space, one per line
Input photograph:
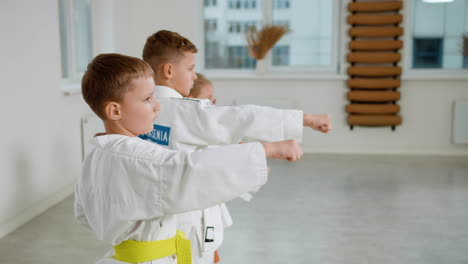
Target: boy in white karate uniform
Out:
[203,89]
[189,124]
[130,190]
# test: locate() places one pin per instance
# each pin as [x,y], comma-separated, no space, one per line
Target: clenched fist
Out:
[286,150]
[320,123]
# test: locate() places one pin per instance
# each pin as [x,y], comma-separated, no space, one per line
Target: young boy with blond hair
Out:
[130,190]
[202,89]
[189,124]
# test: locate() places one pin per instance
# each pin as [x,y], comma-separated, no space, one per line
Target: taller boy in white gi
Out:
[195,124]
[130,190]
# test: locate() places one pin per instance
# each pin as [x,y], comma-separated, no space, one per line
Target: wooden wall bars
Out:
[374,74]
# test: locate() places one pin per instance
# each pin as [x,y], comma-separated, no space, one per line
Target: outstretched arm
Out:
[194,180]
[201,125]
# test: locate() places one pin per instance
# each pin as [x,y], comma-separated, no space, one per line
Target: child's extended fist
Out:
[287,150]
[320,123]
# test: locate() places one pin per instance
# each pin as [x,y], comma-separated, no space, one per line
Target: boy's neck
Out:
[163,83]
[167,84]
[113,127]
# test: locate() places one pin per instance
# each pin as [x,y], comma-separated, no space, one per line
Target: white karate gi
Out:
[188,124]
[132,189]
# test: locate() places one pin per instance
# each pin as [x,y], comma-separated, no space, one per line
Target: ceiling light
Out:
[437,1]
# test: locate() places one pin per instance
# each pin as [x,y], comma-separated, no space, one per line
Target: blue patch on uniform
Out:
[159,135]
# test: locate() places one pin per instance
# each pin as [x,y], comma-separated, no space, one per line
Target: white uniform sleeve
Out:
[138,180]
[204,178]
[198,124]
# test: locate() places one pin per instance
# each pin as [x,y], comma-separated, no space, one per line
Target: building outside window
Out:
[283,23]
[238,57]
[437,35]
[465,51]
[242,4]
[427,52]
[281,55]
[240,26]
[210,25]
[210,3]
[279,4]
[310,45]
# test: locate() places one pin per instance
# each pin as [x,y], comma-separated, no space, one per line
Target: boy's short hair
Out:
[198,84]
[166,46]
[108,78]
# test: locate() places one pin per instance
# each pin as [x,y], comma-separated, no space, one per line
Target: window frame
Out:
[102,39]
[333,71]
[407,53]
[73,73]
[72,83]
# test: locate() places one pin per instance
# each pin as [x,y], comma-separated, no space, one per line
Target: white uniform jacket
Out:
[188,124]
[132,189]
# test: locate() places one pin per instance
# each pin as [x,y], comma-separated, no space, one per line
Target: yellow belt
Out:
[132,251]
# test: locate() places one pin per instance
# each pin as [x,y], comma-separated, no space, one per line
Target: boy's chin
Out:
[149,130]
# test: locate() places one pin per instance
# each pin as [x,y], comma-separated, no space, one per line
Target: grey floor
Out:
[323,209]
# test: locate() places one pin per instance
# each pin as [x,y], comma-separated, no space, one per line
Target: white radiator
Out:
[460,122]
[90,125]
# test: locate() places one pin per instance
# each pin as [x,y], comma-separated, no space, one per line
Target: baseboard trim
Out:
[12,223]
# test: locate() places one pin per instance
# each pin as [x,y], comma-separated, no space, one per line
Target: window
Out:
[75,37]
[279,4]
[281,55]
[213,56]
[242,4]
[437,35]
[238,57]
[427,53]
[465,51]
[210,3]
[310,45]
[210,25]
[243,27]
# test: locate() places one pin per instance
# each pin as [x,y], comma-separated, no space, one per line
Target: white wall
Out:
[145,17]
[40,130]
[426,108]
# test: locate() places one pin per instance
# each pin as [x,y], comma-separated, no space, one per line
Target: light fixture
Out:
[437,1]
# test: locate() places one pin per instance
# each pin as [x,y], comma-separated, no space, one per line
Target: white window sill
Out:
[71,88]
[272,76]
[435,74]
[410,76]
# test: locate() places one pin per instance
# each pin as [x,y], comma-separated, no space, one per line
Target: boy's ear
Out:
[168,71]
[113,111]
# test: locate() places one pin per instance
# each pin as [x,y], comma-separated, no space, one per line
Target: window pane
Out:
[281,55]
[64,37]
[82,30]
[308,44]
[427,53]
[225,29]
[438,30]
[465,51]
[310,40]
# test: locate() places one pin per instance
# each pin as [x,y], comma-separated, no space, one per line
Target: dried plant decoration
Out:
[260,42]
